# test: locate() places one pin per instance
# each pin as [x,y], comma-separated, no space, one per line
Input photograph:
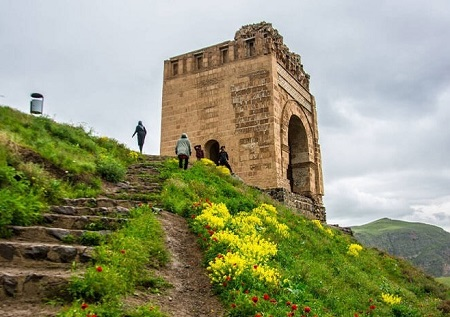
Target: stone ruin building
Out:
[251,95]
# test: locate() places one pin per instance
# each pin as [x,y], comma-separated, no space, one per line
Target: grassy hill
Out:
[426,246]
[262,258]
[42,161]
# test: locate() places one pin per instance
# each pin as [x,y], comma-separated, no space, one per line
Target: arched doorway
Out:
[212,150]
[298,168]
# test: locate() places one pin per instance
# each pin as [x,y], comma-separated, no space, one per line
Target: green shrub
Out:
[20,205]
[92,238]
[110,169]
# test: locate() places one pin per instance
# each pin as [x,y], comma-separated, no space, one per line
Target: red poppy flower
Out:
[99,269]
[84,306]
[295,307]
[307,309]
[258,315]
[266,297]
[288,303]
[372,307]
[255,299]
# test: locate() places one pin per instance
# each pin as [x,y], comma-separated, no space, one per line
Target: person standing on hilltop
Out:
[223,159]
[141,133]
[183,150]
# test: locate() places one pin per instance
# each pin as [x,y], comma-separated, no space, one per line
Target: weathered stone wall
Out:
[304,205]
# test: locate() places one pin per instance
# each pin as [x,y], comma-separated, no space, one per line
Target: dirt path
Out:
[191,295]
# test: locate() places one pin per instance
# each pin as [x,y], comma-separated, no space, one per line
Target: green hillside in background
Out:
[263,259]
[426,246]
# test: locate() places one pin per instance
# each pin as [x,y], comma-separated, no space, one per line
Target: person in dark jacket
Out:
[199,152]
[141,133]
[183,150]
[223,158]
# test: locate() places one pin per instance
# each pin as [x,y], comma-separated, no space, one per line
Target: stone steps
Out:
[93,211]
[48,234]
[37,261]
[100,202]
[34,282]
[85,222]
[15,253]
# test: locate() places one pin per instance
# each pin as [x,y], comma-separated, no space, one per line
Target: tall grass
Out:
[123,263]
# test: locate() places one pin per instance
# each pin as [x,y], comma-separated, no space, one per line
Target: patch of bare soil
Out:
[191,294]
[24,308]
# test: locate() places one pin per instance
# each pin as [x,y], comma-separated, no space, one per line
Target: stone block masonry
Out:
[252,95]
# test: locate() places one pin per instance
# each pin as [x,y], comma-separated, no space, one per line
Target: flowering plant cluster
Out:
[133,155]
[391,299]
[222,169]
[321,227]
[354,249]
[248,251]
[207,162]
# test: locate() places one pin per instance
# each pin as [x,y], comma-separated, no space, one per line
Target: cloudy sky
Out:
[380,72]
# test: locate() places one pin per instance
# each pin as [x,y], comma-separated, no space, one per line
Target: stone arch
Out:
[212,150]
[297,147]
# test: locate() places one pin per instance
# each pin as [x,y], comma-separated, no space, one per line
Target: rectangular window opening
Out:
[250,47]
[175,68]
[198,61]
[224,55]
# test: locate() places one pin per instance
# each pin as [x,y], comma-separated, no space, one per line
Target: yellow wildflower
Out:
[391,299]
[354,249]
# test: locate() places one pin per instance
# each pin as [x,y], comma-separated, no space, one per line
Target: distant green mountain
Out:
[425,246]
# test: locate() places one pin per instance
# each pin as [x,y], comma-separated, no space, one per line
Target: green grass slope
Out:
[42,161]
[278,263]
[262,258]
[426,246]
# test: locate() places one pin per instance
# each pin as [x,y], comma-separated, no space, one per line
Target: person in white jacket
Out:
[183,151]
